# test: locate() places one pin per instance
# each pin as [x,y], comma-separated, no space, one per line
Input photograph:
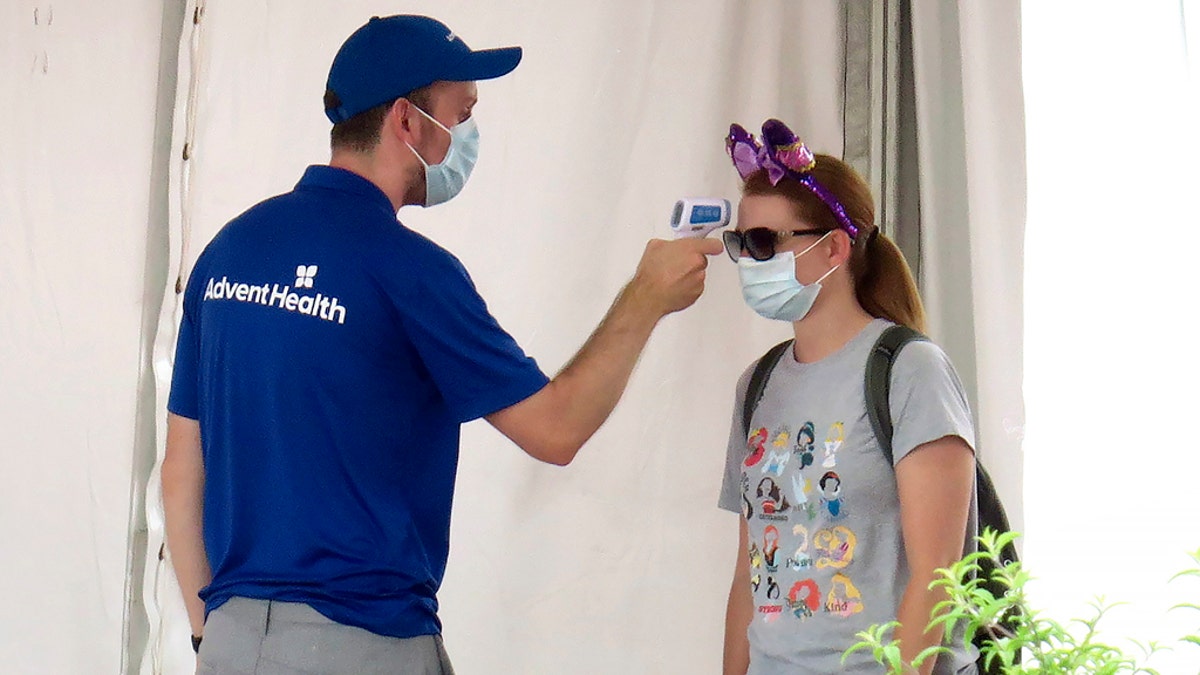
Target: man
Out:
[326,359]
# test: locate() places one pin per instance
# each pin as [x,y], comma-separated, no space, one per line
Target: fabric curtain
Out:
[82,221]
[934,116]
[971,154]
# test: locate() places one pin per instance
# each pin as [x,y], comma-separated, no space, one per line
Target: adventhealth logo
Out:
[304,276]
[281,297]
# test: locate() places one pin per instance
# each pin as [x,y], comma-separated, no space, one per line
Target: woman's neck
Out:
[828,328]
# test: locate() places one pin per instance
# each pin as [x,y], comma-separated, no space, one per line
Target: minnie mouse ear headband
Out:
[782,154]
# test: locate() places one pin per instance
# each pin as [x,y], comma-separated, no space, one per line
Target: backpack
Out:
[877,384]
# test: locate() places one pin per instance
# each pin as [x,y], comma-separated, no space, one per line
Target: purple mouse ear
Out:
[785,148]
[743,150]
[782,155]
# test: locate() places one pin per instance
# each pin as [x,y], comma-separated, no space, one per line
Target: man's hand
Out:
[670,276]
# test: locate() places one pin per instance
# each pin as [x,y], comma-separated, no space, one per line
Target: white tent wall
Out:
[621,562]
[82,220]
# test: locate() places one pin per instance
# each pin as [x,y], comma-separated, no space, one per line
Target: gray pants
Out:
[266,637]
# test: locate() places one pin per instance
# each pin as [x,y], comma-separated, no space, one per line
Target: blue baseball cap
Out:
[391,56]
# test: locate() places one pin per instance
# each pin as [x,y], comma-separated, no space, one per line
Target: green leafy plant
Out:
[1017,639]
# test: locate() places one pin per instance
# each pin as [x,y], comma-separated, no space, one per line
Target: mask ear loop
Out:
[431,119]
[823,276]
[418,155]
[814,245]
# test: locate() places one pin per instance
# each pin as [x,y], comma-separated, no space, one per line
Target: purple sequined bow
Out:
[782,154]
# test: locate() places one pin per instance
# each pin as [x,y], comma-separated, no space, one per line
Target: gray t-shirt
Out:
[826,549]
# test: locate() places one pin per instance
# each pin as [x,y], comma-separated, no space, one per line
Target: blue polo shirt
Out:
[330,355]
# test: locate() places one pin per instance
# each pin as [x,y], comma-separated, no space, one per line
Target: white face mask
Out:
[446,179]
[771,289]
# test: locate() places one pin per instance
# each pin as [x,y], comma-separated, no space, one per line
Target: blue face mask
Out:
[446,179]
[771,289]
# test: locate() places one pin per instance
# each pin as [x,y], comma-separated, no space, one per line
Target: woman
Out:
[860,540]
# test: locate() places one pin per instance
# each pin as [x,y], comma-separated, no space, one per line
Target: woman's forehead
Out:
[774,211]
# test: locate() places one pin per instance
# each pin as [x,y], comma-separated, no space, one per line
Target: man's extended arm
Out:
[555,422]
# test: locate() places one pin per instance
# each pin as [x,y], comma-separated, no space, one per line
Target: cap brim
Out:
[485,64]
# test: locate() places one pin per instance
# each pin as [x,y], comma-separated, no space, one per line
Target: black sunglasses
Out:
[759,242]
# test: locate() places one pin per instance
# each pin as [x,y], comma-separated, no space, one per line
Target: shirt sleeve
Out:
[184,397]
[927,400]
[475,364]
[735,451]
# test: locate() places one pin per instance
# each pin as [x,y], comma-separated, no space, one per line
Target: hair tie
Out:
[782,154]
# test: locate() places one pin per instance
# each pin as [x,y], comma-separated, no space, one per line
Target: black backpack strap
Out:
[878,389]
[878,381]
[758,382]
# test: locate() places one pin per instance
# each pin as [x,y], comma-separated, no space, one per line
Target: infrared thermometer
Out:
[695,217]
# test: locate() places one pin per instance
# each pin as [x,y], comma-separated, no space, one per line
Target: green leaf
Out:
[856,647]
[947,620]
[892,659]
[929,652]
[1185,573]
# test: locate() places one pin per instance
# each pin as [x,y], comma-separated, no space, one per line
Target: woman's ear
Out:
[840,248]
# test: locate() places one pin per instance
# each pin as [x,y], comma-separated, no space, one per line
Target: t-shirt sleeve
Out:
[184,397]
[927,400]
[735,451]
[475,364]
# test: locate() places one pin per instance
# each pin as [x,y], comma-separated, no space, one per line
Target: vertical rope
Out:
[185,185]
[158,581]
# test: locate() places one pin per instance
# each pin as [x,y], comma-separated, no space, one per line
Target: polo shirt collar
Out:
[320,176]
